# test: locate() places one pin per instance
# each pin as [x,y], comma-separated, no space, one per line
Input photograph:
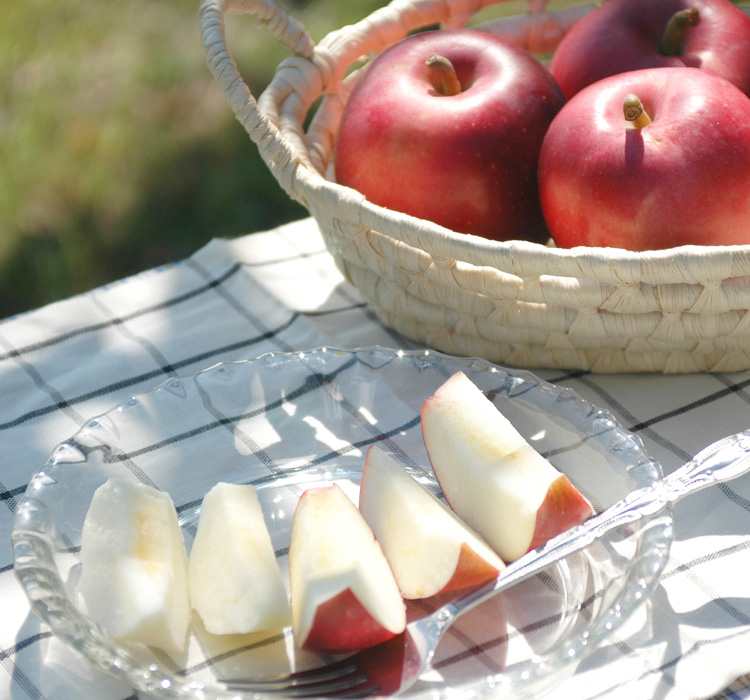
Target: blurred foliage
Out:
[118,151]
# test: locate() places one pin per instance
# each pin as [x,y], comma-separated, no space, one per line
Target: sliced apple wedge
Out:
[430,549]
[491,477]
[343,593]
[134,567]
[234,578]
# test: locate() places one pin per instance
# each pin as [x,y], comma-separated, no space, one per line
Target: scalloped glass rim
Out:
[564,424]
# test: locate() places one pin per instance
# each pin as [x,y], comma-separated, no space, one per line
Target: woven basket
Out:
[517,303]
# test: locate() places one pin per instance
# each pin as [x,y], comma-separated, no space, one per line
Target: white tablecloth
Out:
[280,291]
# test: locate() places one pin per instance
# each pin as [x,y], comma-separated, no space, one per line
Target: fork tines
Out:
[341,680]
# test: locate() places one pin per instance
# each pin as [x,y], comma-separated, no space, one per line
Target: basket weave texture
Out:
[680,310]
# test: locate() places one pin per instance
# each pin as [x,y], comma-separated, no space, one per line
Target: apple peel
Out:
[343,593]
[431,551]
[620,36]
[492,478]
[453,140]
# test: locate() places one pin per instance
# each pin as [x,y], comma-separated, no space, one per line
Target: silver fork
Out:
[393,667]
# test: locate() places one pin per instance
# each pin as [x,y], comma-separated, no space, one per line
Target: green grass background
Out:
[118,152]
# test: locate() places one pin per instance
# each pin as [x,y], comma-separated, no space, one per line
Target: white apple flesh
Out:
[234,578]
[491,477]
[134,566]
[343,593]
[431,551]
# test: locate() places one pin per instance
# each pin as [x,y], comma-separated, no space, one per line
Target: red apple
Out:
[491,477]
[683,178]
[452,141]
[343,593]
[430,550]
[626,35]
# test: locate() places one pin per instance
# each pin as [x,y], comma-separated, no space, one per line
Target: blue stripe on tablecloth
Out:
[340,291]
[167,371]
[734,692]
[203,357]
[162,372]
[103,325]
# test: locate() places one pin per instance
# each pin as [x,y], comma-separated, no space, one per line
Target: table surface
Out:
[280,291]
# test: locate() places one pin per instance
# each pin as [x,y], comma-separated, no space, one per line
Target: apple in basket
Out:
[625,35]
[430,549]
[343,593]
[491,476]
[649,159]
[446,125]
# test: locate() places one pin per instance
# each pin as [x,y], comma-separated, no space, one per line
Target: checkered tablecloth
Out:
[280,291]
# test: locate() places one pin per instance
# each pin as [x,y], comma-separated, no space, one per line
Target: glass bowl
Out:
[287,421]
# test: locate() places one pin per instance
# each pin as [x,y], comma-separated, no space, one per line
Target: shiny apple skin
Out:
[683,179]
[624,35]
[467,162]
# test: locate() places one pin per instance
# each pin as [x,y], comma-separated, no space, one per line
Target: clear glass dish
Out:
[284,422]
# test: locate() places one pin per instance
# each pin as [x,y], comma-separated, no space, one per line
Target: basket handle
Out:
[290,33]
[290,154]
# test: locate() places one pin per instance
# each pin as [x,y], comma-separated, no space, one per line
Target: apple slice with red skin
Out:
[491,477]
[430,549]
[343,593]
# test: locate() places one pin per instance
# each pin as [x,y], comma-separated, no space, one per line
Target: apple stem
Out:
[671,40]
[634,112]
[442,75]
